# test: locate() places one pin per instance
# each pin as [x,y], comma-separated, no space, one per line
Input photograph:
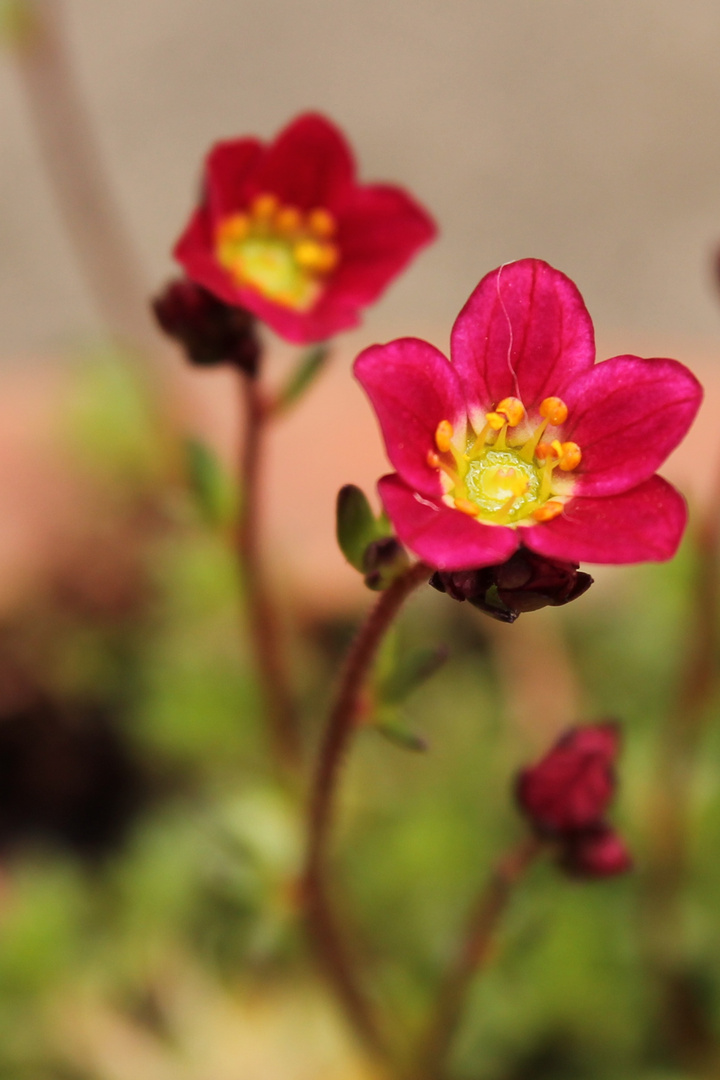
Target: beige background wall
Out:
[586,132]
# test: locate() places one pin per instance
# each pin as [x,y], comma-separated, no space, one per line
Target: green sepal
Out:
[395,732]
[210,483]
[310,365]
[409,673]
[356,525]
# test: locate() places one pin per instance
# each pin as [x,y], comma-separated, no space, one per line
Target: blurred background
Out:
[148,924]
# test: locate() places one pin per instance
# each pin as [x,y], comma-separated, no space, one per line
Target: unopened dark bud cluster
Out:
[526,582]
[210,331]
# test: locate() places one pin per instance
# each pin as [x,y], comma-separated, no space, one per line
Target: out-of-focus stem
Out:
[79,181]
[475,948]
[264,624]
[328,942]
[686,1027]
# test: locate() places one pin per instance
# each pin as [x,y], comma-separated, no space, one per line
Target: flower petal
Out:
[379,232]
[524,332]
[229,170]
[308,165]
[640,525]
[627,414]
[441,536]
[412,387]
[196,254]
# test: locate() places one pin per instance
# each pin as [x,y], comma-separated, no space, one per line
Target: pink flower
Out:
[570,789]
[522,438]
[285,231]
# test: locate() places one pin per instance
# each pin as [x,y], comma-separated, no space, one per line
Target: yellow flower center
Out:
[283,253]
[503,477]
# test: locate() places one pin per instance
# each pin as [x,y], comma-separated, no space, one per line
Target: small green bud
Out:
[356,524]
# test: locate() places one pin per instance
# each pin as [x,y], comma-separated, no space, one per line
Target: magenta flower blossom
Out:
[286,231]
[522,439]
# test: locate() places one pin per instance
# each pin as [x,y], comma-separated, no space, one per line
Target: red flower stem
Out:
[80,183]
[475,949]
[324,932]
[264,626]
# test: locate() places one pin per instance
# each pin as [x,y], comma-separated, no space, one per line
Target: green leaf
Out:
[210,483]
[311,364]
[396,733]
[410,672]
[356,524]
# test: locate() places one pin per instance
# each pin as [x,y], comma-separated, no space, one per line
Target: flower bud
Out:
[569,790]
[210,331]
[596,853]
[526,582]
[383,561]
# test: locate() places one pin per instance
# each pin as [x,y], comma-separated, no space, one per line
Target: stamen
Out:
[467,507]
[570,457]
[554,410]
[436,462]
[288,220]
[264,206]
[547,511]
[495,420]
[233,228]
[443,436]
[546,450]
[322,223]
[512,409]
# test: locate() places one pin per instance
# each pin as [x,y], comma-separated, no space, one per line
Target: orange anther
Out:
[495,420]
[233,228]
[467,507]
[545,450]
[316,256]
[554,410]
[264,206]
[288,219]
[513,409]
[433,460]
[321,222]
[571,456]
[548,511]
[443,436]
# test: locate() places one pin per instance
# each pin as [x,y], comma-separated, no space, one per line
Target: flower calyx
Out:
[526,582]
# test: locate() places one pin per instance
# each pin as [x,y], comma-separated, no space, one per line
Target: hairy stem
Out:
[475,948]
[264,624]
[325,934]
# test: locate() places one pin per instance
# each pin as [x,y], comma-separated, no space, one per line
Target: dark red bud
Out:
[210,331]
[526,582]
[596,853]
[569,790]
